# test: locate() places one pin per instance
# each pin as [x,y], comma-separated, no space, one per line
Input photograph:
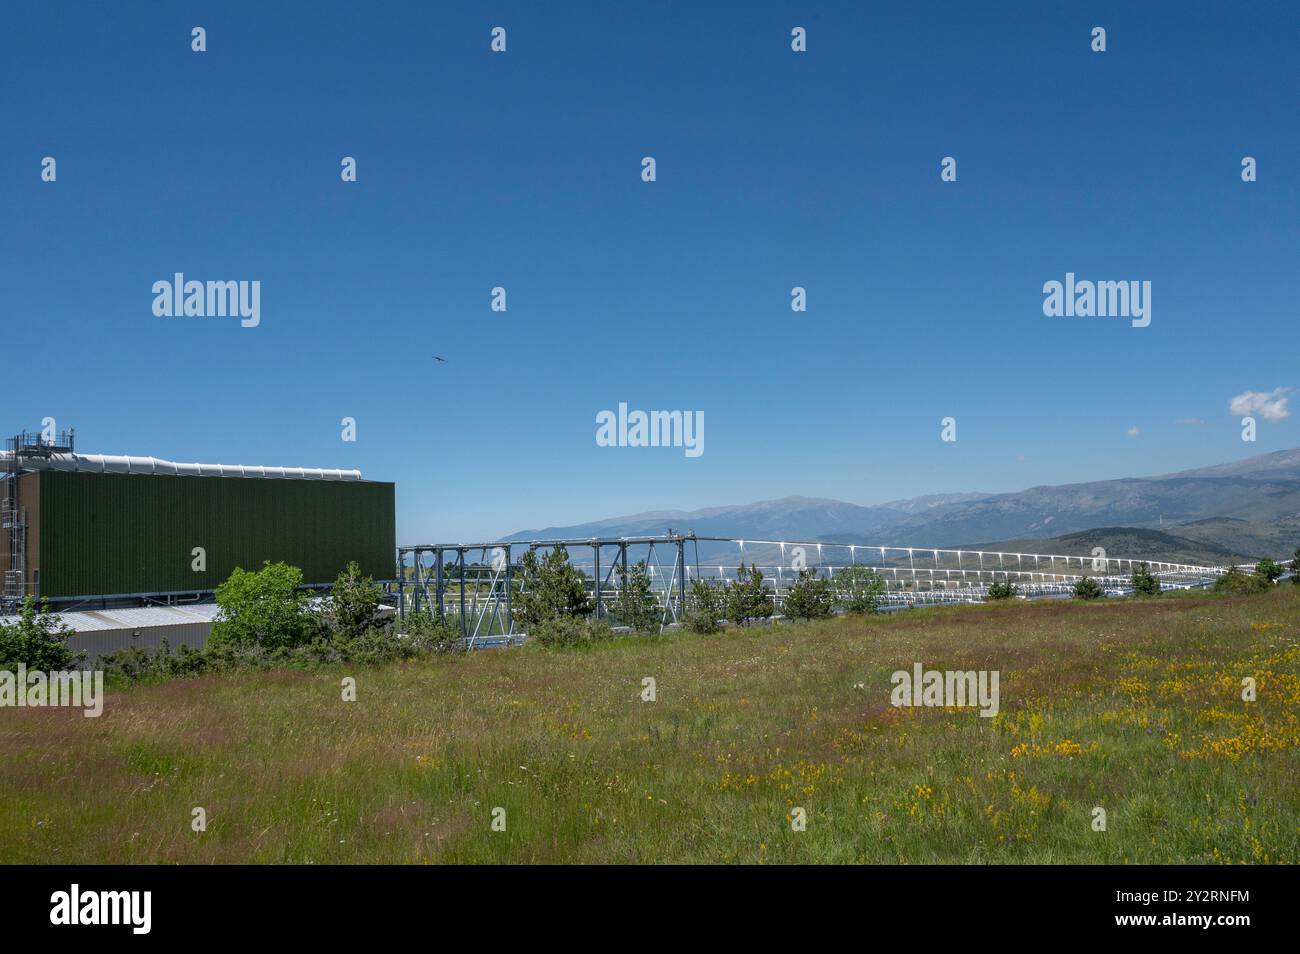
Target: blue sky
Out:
[775,169]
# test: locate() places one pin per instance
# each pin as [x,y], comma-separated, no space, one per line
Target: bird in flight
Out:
[439,358]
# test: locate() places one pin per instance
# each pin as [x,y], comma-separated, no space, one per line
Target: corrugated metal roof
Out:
[90,621]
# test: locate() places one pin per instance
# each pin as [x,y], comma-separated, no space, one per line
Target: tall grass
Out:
[1131,706]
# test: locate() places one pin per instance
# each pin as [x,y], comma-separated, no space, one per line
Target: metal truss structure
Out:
[477,583]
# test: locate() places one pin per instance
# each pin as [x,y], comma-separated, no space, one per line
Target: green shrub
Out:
[859,589]
[419,635]
[263,609]
[1145,583]
[1088,589]
[1294,567]
[748,597]
[370,647]
[135,663]
[810,597]
[551,588]
[38,639]
[429,633]
[130,663]
[706,606]
[1235,580]
[563,632]
[636,606]
[1002,591]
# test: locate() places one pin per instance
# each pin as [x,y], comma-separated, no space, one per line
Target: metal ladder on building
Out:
[13,516]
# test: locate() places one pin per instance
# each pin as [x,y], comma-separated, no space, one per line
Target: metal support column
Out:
[460,560]
[510,620]
[439,584]
[681,579]
[401,588]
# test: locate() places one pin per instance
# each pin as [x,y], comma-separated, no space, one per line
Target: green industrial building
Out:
[83,527]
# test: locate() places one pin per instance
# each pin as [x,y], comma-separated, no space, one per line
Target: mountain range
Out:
[1239,510]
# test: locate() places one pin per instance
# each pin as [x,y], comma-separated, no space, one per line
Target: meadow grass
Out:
[1133,706]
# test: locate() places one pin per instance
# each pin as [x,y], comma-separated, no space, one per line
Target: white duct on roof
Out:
[110,464]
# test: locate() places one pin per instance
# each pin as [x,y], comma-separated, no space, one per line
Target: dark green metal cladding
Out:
[105,534]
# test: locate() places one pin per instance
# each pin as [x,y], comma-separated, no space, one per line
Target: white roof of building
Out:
[89,621]
[116,464]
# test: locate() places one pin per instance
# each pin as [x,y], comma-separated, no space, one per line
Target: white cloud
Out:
[1133,431]
[1270,405]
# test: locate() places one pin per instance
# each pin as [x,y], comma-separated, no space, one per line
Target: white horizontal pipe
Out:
[112,464]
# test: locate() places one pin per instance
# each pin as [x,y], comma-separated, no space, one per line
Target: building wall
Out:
[106,534]
[103,642]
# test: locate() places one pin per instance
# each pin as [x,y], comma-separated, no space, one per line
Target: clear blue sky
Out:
[774,170]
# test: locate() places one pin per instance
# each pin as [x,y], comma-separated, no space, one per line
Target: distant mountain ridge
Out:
[785,518]
[1246,507]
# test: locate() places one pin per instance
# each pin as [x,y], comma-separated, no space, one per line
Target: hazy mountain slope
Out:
[1284,464]
[1054,511]
[790,518]
[1248,507]
[1277,539]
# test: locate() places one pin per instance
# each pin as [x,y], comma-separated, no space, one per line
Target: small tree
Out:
[264,609]
[1001,591]
[748,597]
[706,605]
[1088,589]
[859,589]
[353,605]
[1145,583]
[37,640]
[1268,572]
[1294,566]
[810,597]
[636,606]
[552,588]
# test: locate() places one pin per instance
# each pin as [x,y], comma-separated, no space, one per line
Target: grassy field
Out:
[1131,706]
